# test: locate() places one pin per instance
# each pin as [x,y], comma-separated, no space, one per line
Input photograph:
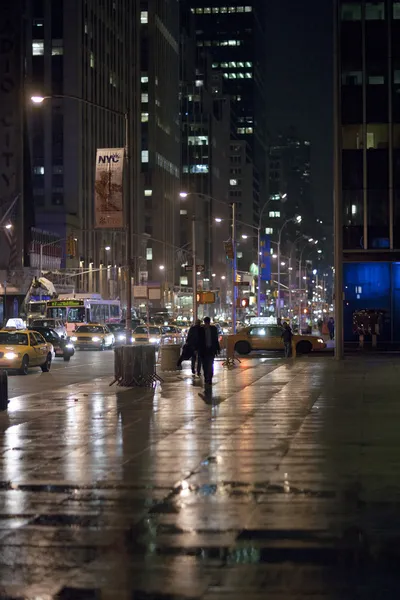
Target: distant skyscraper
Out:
[234,35]
[369,44]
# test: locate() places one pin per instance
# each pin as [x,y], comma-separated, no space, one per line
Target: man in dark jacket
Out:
[193,340]
[208,349]
[287,336]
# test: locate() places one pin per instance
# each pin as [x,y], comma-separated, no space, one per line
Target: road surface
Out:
[82,368]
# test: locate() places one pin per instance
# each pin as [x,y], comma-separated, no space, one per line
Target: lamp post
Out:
[296,219]
[125,115]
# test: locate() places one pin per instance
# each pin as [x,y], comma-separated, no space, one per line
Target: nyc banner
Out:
[108,188]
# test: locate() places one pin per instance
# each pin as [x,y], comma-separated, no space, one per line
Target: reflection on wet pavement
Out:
[280,482]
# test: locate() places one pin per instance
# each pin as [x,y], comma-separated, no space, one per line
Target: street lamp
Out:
[39,100]
[107,248]
[296,219]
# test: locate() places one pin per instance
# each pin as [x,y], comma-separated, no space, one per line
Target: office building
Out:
[88,50]
[234,35]
[205,114]
[160,137]
[369,44]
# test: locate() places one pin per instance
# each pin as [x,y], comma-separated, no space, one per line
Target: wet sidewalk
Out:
[285,483]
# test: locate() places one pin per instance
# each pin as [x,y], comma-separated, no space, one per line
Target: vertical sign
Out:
[11,131]
[265,249]
[108,188]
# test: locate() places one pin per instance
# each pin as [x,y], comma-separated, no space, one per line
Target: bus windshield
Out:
[57,313]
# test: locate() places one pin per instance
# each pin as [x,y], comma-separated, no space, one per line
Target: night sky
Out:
[299,83]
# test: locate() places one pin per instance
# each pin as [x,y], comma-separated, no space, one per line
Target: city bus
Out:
[83,309]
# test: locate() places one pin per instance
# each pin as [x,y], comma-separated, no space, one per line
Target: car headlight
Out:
[121,337]
[133,340]
[96,339]
[321,341]
[10,355]
[74,339]
[69,346]
[153,340]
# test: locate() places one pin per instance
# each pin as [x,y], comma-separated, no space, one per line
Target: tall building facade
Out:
[160,137]
[89,50]
[234,36]
[369,59]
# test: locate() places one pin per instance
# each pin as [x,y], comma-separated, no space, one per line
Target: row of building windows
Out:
[374,11]
[57,170]
[376,136]
[215,10]
[167,165]
[57,47]
[246,75]
[244,130]
[232,65]
[356,78]
[195,169]
[202,43]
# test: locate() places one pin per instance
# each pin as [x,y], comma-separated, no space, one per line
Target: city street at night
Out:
[284,481]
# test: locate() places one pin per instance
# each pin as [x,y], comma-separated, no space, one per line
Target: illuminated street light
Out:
[8,226]
[223,277]
[37,99]
[183,194]
[161,267]
[218,220]
[107,248]
[244,236]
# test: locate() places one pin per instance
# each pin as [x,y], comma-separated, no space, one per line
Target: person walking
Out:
[193,340]
[331,327]
[208,349]
[287,336]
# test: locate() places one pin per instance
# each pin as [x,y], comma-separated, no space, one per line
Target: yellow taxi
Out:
[147,335]
[269,337]
[21,349]
[94,336]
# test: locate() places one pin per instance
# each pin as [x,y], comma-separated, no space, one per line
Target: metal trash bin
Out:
[3,390]
[170,354]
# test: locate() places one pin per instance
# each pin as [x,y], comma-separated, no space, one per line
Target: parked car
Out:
[63,347]
[55,324]
[268,337]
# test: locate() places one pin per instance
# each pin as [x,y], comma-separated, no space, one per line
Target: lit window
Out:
[38,170]
[226,75]
[198,140]
[374,11]
[232,65]
[144,16]
[37,48]
[232,75]
[145,117]
[248,75]
[145,98]
[183,280]
[351,12]
[396,10]
[38,22]
[240,130]
[149,253]
[215,65]
[145,156]
[92,60]
[224,65]
[376,79]
[240,65]
[352,78]
[144,79]
[199,168]
[269,230]
[215,10]
[249,64]
[240,75]
[57,48]
[232,9]
[248,9]
[239,254]
[249,130]
[240,8]
[199,11]
[353,209]
[198,82]
[231,42]
[207,11]
[183,211]
[274,214]
[223,9]
[233,182]
[148,192]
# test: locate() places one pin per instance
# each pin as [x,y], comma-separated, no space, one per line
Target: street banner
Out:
[265,266]
[108,188]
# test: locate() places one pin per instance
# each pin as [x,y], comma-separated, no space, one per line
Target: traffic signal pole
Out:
[194,269]
[234,268]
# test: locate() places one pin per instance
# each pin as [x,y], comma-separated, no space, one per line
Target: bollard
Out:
[3,390]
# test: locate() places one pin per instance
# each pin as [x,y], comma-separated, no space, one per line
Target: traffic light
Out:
[71,247]
[242,303]
[229,249]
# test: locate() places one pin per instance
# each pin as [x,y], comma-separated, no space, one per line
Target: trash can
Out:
[170,354]
[3,390]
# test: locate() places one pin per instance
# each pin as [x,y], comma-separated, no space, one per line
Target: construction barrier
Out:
[170,354]
[135,366]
